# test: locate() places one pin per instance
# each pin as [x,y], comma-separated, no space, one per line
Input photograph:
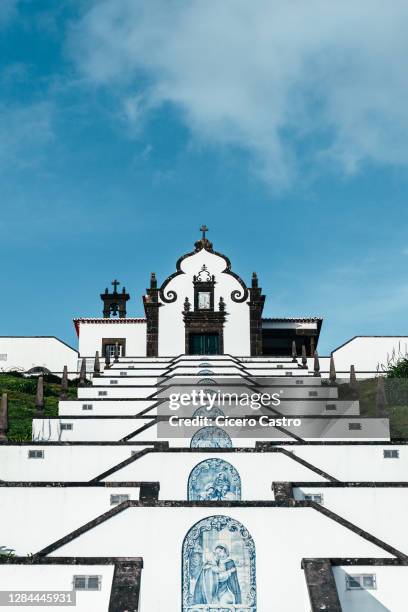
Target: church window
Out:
[118,499]
[214,480]
[314,497]
[87,407]
[205,372]
[36,454]
[204,365]
[87,583]
[215,547]
[391,454]
[354,426]
[360,582]
[102,393]
[67,426]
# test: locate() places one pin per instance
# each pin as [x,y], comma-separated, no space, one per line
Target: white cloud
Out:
[270,77]
[24,132]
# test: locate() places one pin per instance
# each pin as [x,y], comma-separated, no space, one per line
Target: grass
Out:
[397,409]
[21,401]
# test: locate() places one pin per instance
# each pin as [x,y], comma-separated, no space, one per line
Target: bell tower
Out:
[114,304]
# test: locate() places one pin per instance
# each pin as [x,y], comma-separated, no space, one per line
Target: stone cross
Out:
[204,229]
[115,284]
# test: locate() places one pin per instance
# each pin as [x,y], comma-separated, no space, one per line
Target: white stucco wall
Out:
[58,578]
[91,335]
[26,352]
[282,537]
[171,324]
[367,353]
[389,596]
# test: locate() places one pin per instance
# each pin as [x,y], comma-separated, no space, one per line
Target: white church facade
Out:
[211,462]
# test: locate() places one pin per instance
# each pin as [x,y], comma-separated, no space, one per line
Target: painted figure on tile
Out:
[217,582]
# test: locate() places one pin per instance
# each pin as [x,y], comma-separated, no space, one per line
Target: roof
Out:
[106,320]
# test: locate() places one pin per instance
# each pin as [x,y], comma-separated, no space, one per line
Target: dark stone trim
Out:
[352,484]
[367,561]
[120,465]
[321,585]
[307,464]
[16,560]
[125,592]
[69,484]
[149,491]
[289,503]
[283,491]
[256,305]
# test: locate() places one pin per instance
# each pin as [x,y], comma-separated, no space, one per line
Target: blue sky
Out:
[125,125]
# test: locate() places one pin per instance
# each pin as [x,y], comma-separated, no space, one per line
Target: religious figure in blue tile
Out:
[214,479]
[219,567]
[211,437]
[217,582]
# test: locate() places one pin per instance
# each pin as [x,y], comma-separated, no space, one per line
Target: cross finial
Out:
[204,229]
[115,284]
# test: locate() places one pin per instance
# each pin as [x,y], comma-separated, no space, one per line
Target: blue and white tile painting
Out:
[214,480]
[219,567]
[211,437]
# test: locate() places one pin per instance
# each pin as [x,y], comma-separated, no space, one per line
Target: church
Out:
[211,462]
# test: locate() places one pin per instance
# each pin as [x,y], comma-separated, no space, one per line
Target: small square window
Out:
[87,583]
[288,373]
[299,382]
[312,393]
[279,365]
[102,393]
[67,426]
[331,407]
[359,582]
[36,454]
[314,497]
[118,499]
[391,454]
[3,356]
[113,382]
[354,426]
[87,407]
[123,373]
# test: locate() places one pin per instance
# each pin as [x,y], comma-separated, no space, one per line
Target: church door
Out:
[204,344]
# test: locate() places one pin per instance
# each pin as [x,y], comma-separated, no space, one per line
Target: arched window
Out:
[211,437]
[206,381]
[204,365]
[219,566]
[205,372]
[214,479]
